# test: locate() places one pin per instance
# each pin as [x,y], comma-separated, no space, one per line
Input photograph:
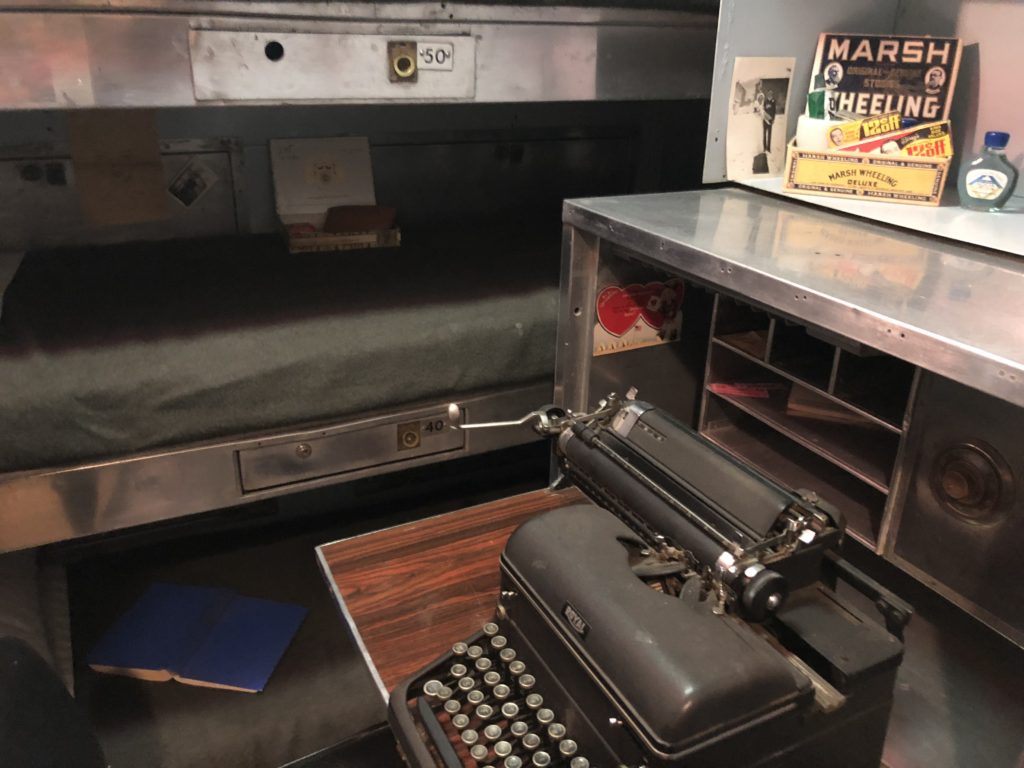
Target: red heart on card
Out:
[618,307]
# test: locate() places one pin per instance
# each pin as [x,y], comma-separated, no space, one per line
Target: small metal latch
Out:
[546,420]
[549,420]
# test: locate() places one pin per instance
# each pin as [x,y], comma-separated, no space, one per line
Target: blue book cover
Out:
[243,648]
[200,636]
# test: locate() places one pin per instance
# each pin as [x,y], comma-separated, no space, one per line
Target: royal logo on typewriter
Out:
[576,621]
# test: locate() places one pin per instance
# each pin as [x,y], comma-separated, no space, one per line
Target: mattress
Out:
[107,352]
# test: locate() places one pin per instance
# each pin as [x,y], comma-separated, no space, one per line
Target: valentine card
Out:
[637,315]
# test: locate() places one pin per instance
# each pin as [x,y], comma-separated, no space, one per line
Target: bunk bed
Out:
[150,372]
[156,371]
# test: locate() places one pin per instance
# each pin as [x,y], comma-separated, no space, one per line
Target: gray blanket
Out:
[107,352]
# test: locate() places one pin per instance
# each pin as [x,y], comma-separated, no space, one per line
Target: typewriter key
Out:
[452,707]
[460,721]
[541,759]
[431,687]
[517,667]
[526,682]
[458,670]
[519,728]
[490,629]
[545,716]
[502,749]
[467,684]
[513,761]
[478,752]
[483,664]
[474,652]
[475,697]
[567,747]
[492,678]
[469,736]
[507,654]
[492,732]
[485,711]
[501,691]
[579,762]
[531,741]
[509,709]
[459,649]
[555,731]
[498,642]
[534,700]
[444,693]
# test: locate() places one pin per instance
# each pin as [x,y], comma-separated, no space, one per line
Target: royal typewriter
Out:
[688,617]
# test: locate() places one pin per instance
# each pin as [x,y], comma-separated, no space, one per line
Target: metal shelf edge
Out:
[864,477]
[876,420]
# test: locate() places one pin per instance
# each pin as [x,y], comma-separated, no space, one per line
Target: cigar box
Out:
[894,178]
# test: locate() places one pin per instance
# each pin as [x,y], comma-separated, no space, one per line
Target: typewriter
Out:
[688,617]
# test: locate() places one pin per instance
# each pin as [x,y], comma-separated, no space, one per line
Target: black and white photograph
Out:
[192,182]
[756,139]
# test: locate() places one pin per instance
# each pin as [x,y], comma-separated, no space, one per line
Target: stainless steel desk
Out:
[951,309]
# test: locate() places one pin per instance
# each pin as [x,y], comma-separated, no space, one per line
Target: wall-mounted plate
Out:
[293,66]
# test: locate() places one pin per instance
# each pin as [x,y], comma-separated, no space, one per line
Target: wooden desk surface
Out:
[409,592]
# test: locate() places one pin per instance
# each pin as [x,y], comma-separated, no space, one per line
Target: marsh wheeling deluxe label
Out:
[889,177]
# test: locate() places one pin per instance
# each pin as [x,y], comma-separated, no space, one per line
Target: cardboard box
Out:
[318,241]
[895,178]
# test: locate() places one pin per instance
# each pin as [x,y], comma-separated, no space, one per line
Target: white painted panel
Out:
[988,91]
[779,28]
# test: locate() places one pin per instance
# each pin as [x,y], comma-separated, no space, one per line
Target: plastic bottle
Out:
[987,180]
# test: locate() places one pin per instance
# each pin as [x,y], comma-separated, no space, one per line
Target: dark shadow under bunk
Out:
[106,352]
[320,699]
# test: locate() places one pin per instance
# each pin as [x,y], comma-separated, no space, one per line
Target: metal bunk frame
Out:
[188,53]
[167,53]
[44,506]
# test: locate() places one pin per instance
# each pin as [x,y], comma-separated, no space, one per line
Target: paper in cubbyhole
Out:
[117,167]
[313,175]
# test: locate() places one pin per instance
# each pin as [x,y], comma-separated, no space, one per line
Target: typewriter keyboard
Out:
[492,712]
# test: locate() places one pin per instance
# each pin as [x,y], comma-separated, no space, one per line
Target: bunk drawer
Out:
[322,455]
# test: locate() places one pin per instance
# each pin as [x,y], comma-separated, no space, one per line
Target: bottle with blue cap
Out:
[988,179]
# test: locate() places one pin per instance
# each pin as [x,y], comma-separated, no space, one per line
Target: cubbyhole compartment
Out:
[742,327]
[822,425]
[793,466]
[798,353]
[877,383]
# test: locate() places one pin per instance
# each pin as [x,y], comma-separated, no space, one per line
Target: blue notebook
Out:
[199,636]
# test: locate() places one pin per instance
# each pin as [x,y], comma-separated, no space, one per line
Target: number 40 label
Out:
[435,56]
